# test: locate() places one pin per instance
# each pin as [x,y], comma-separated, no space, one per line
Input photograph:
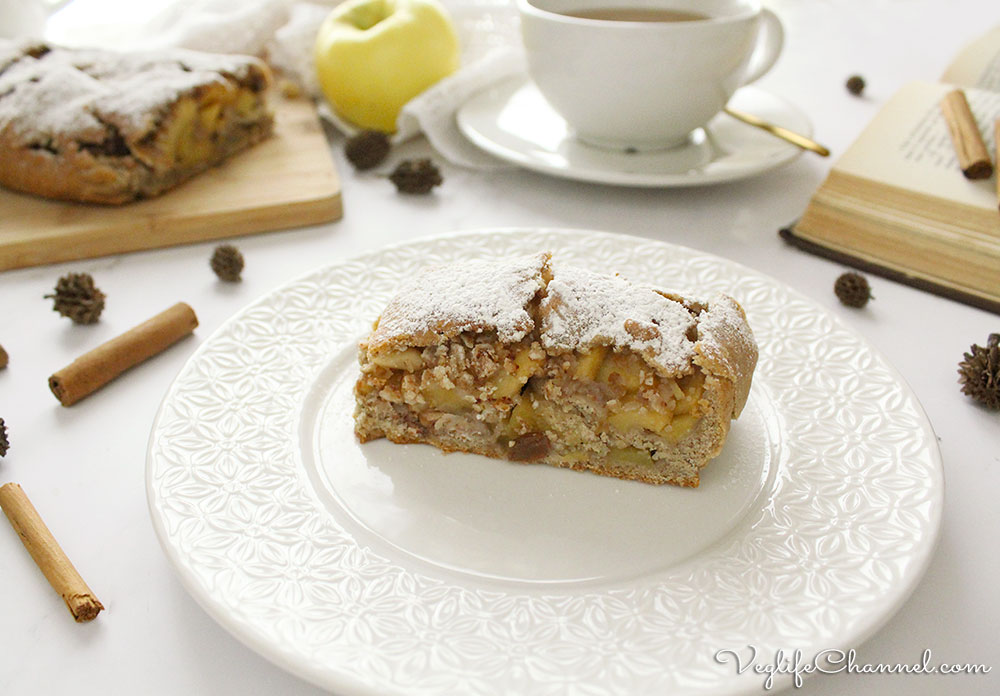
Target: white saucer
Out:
[514,122]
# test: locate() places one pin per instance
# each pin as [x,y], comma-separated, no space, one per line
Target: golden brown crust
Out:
[75,175]
[726,348]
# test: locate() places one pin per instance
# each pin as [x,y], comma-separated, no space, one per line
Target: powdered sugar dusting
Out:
[49,102]
[582,308]
[474,296]
[72,92]
[578,309]
[140,98]
[725,340]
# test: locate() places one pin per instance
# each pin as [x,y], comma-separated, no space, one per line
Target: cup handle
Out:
[767,51]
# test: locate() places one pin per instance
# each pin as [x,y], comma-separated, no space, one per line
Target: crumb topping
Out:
[443,301]
[582,308]
[572,309]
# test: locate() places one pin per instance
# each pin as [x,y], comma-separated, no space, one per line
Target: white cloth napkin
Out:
[284,31]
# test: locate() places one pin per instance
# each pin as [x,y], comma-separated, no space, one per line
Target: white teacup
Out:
[20,19]
[623,83]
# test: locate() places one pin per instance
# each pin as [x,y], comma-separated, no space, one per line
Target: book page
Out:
[908,145]
[978,64]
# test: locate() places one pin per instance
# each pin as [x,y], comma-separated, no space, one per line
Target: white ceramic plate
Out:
[387,569]
[514,122]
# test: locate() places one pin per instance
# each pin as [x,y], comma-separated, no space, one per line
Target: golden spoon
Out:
[783,133]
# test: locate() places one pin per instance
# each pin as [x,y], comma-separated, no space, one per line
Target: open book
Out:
[896,203]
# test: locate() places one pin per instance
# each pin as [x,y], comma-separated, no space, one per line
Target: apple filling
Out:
[519,403]
[602,402]
[202,127]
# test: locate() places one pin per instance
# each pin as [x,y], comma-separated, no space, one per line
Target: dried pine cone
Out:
[367,149]
[416,176]
[78,298]
[3,358]
[4,442]
[290,89]
[979,373]
[227,262]
[855,85]
[852,289]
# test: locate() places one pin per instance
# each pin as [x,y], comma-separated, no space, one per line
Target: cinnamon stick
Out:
[51,559]
[93,370]
[965,136]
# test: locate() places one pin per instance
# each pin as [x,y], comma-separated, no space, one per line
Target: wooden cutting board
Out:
[286,181]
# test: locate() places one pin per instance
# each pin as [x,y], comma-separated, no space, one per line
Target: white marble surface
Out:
[83,467]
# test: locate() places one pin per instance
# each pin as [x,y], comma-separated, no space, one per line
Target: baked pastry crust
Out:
[532,360]
[104,127]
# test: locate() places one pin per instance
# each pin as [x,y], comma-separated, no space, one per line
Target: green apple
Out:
[373,56]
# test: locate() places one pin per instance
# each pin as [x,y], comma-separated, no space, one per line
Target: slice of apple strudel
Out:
[534,361]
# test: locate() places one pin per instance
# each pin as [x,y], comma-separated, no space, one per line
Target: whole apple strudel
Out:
[105,127]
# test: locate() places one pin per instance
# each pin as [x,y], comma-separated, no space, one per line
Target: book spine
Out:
[789,235]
